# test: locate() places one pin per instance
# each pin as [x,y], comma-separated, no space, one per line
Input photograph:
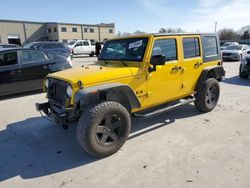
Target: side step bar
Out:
[164,109]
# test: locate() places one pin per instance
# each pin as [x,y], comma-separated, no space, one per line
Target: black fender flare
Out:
[105,92]
[216,72]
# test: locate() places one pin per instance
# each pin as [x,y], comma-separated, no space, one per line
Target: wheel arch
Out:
[117,92]
[216,72]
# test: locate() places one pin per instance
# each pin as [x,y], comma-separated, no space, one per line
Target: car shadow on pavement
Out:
[236,80]
[34,147]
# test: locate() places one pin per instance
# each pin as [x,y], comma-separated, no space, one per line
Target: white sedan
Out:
[234,52]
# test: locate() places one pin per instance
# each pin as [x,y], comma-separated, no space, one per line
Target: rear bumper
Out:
[55,112]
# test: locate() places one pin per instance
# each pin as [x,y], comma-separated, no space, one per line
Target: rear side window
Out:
[29,56]
[60,45]
[85,43]
[210,46]
[167,48]
[8,58]
[191,47]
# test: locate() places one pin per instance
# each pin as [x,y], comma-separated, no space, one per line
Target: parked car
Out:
[226,44]
[139,76]
[234,52]
[82,47]
[49,46]
[244,70]
[9,46]
[23,70]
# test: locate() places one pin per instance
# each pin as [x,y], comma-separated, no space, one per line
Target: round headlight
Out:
[47,83]
[69,91]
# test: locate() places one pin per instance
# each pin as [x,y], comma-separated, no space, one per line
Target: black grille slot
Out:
[227,54]
[57,91]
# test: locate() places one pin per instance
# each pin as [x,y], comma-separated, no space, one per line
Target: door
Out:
[164,84]
[78,48]
[10,73]
[35,66]
[86,47]
[192,62]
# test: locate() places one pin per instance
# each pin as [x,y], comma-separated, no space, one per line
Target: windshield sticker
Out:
[135,44]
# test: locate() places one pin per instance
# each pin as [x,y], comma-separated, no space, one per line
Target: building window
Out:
[74,29]
[110,30]
[91,30]
[85,30]
[64,29]
[55,29]
[49,30]
[191,47]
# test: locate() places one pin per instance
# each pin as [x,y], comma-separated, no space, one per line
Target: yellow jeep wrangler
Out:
[136,76]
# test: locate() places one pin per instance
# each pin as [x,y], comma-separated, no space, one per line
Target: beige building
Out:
[23,32]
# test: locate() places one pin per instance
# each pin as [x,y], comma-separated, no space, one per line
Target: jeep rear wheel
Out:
[207,97]
[103,129]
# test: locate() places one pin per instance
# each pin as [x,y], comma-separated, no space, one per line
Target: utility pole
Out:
[215,26]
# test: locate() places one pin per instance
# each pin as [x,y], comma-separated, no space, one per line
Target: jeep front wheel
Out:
[207,97]
[103,129]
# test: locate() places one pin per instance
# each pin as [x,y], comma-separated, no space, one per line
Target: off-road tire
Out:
[91,120]
[243,74]
[203,102]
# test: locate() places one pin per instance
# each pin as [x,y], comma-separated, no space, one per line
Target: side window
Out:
[8,58]
[39,47]
[167,48]
[79,43]
[210,46]
[191,47]
[51,46]
[85,43]
[60,45]
[32,56]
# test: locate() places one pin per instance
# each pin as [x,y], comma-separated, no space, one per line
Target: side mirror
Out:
[156,60]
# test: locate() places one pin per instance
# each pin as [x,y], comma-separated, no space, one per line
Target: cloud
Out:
[201,14]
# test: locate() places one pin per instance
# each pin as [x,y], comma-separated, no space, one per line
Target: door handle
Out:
[197,64]
[46,66]
[176,68]
[14,72]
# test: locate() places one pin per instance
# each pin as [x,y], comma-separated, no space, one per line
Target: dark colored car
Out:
[23,70]
[49,46]
[244,71]
[8,46]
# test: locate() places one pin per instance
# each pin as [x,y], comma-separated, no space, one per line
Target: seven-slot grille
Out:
[57,90]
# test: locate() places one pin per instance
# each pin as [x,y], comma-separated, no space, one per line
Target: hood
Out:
[93,74]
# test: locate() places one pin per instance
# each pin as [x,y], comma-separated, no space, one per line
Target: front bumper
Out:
[56,113]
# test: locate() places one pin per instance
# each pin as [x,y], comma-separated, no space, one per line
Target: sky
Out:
[131,15]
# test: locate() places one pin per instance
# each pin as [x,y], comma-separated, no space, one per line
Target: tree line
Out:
[224,34]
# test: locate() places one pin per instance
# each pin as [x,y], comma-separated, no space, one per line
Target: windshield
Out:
[131,49]
[234,47]
[72,42]
[227,44]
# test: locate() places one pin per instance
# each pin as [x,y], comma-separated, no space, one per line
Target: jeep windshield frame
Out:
[128,49]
